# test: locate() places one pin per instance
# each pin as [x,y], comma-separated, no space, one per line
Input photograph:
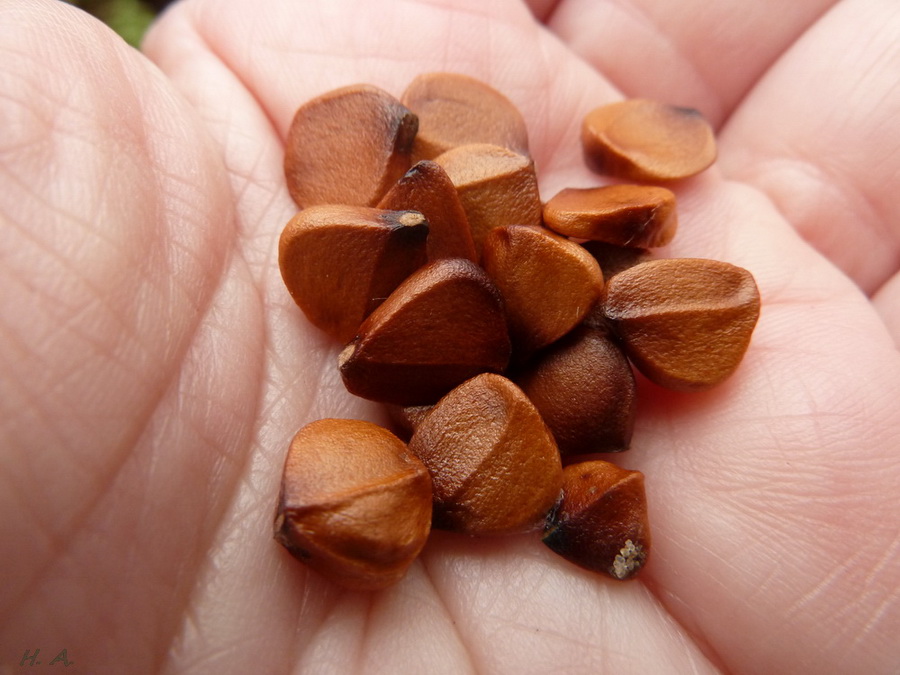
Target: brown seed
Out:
[684,322]
[443,325]
[355,504]
[639,139]
[348,146]
[457,110]
[427,188]
[584,389]
[340,262]
[627,215]
[548,283]
[493,462]
[600,523]
[496,186]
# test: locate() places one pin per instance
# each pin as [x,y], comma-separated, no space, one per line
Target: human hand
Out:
[155,368]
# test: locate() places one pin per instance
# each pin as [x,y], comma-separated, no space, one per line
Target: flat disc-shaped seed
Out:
[355,504]
[585,391]
[348,146]
[457,110]
[600,523]
[496,186]
[641,216]
[684,322]
[340,262]
[443,325]
[639,139]
[548,283]
[427,188]
[494,464]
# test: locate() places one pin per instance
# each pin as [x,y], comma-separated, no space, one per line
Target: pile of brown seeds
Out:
[500,330]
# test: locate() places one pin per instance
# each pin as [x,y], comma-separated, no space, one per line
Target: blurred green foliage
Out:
[129,18]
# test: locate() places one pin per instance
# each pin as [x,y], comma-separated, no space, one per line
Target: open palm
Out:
[153,368]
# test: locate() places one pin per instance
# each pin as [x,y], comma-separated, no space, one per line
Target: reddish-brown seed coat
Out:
[455,110]
[494,464]
[348,146]
[640,139]
[496,186]
[355,504]
[340,262]
[601,521]
[443,325]
[427,188]
[521,260]
[641,216]
[684,322]
[584,389]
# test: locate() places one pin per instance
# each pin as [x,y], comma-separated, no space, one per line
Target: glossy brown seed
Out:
[457,110]
[340,262]
[348,146]
[684,322]
[443,325]
[548,283]
[496,186]
[640,216]
[639,139]
[493,462]
[601,521]
[585,391]
[427,188]
[355,504]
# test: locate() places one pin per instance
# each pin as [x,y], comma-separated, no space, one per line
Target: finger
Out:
[504,595]
[114,236]
[819,136]
[705,55]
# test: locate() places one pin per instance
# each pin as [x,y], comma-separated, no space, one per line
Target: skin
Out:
[153,367]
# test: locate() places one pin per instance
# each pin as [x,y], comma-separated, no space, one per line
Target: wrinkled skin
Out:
[154,368]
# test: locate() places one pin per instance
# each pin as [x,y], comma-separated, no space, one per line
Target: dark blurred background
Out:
[129,18]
